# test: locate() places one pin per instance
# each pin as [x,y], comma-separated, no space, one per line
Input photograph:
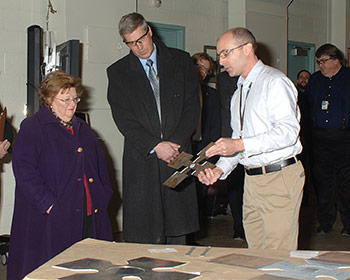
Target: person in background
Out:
[207,131]
[305,156]
[265,140]
[303,77]
[210,124]
[62,182]
[5,144]
[153,94]
[329,95]
[226,86]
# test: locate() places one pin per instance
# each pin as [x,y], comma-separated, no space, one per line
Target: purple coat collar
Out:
[45,116]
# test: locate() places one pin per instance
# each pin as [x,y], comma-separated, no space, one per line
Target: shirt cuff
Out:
[227,164]
[250,147]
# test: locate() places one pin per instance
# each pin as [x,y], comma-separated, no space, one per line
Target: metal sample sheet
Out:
[310,271]
[244,260]
[143,268]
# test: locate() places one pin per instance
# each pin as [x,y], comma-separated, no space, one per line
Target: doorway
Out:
[300,56]
[172,36]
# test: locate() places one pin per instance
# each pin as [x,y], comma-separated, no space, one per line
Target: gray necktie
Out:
[154,80]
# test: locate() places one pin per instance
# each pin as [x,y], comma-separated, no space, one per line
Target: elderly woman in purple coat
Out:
[62,183]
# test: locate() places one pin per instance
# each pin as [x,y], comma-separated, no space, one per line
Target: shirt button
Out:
[80,149]
[91,180]
[96,210]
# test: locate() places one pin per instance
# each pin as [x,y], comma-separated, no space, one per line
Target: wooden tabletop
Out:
[217,263]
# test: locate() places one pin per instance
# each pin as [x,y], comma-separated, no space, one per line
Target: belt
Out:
[271,167]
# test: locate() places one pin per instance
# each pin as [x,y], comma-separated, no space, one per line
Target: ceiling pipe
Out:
[287,33]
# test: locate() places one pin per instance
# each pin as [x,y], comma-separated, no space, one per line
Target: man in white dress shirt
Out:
[265,124]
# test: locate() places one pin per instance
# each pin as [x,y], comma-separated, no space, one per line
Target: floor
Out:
[2,270]
[218,233]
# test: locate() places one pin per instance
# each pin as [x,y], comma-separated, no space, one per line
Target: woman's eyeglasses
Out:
[68,101]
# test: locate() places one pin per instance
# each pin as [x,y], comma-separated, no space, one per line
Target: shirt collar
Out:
[252,75]
[153,57]
[46,116]
[338,74]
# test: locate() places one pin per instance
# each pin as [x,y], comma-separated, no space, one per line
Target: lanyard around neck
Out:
[242,113]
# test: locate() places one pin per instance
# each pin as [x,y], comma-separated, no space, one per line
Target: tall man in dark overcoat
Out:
[155,105]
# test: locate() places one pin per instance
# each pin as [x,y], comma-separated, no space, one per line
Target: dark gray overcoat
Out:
[151,210]
[49,163]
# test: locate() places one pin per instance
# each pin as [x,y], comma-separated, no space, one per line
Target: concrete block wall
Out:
[15,17]
[204,20]
[308,21]
[348,29]
[267,21]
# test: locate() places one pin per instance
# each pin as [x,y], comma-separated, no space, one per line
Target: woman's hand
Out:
[4,145]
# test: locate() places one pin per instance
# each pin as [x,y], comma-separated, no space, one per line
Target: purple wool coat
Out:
[49,163]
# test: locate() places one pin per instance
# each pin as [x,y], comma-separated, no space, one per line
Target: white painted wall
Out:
[204,20]
[15,17]
[347,25]
[94,23]
[267,21]
[338,24]
[308,21]
[236,13]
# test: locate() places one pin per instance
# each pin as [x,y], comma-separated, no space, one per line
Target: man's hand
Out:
[167,151]
[4,145]
[210,176]
[225,147]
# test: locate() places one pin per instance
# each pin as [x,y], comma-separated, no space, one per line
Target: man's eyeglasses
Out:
[68,101]
[323,60]
[225,53]
[138,41]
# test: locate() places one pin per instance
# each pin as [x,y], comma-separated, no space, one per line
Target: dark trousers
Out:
[176,240]
[235,183]
[306,159]
[331,175]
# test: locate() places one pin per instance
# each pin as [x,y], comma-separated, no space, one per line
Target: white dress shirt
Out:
[270,119]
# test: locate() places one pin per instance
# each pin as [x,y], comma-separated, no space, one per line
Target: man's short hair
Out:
[243,35]
[130,22]
[301,71]
[330,50]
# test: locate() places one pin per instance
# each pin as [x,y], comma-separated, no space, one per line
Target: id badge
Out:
[324,104]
